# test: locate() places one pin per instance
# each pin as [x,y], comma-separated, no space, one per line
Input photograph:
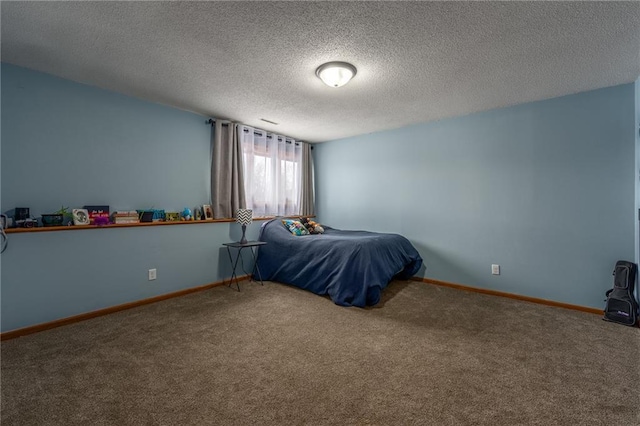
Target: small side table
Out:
[251,245]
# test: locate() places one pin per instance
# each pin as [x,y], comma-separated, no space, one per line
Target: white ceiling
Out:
[417,61]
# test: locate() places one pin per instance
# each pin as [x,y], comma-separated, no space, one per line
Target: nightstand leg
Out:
[255,266]
[235,264]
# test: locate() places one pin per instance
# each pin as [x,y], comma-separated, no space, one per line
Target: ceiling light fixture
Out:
[336,74]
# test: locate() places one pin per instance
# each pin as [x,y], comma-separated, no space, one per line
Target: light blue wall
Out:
[52,275]
[65,143]
[72,144]
[544,189]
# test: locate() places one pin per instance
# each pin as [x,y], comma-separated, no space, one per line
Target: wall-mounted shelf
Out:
[127,225]
[120,225]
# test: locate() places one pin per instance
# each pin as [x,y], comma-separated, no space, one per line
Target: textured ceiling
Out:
[417,61]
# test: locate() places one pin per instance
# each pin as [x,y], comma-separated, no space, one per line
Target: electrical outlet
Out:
[495,269]
[152,274]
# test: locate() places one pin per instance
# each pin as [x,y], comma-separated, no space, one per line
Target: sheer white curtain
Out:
[272,172]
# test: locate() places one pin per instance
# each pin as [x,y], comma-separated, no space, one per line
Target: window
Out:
[272,166]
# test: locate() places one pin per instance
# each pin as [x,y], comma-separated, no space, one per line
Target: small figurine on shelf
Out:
[186,214]
[101,221]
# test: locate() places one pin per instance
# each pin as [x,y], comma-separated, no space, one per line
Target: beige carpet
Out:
[276,355]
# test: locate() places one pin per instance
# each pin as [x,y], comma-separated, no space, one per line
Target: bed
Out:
[352,267]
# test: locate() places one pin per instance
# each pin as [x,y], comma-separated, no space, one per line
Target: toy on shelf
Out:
[101,220]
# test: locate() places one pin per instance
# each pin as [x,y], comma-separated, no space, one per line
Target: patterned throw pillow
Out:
[295,227]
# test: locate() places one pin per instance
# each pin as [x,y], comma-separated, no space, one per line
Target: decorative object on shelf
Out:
[244,217]
[198,214]
[120,217]
[27,223]
[23,219]
[186,214]
[207,211]
[172,217]
[21,213]
[151,215]
[80,217]
[54,219]
[146,216]
[67,216]
[5,221]
[101,221]
[97,211]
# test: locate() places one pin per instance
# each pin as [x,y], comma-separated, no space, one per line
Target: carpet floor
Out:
[277,355]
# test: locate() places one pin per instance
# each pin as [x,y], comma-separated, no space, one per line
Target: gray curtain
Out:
[227,183]
[307,196]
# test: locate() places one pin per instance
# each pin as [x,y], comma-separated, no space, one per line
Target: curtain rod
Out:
[211,121]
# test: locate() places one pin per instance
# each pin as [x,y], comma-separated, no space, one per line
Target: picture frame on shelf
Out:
[97,211]
[80,217]
[207,212]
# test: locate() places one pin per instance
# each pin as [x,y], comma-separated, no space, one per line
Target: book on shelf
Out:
[125,217]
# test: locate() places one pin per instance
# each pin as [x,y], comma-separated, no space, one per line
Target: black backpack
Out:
[622,306]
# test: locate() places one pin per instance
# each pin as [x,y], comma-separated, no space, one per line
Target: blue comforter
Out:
[352,267]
